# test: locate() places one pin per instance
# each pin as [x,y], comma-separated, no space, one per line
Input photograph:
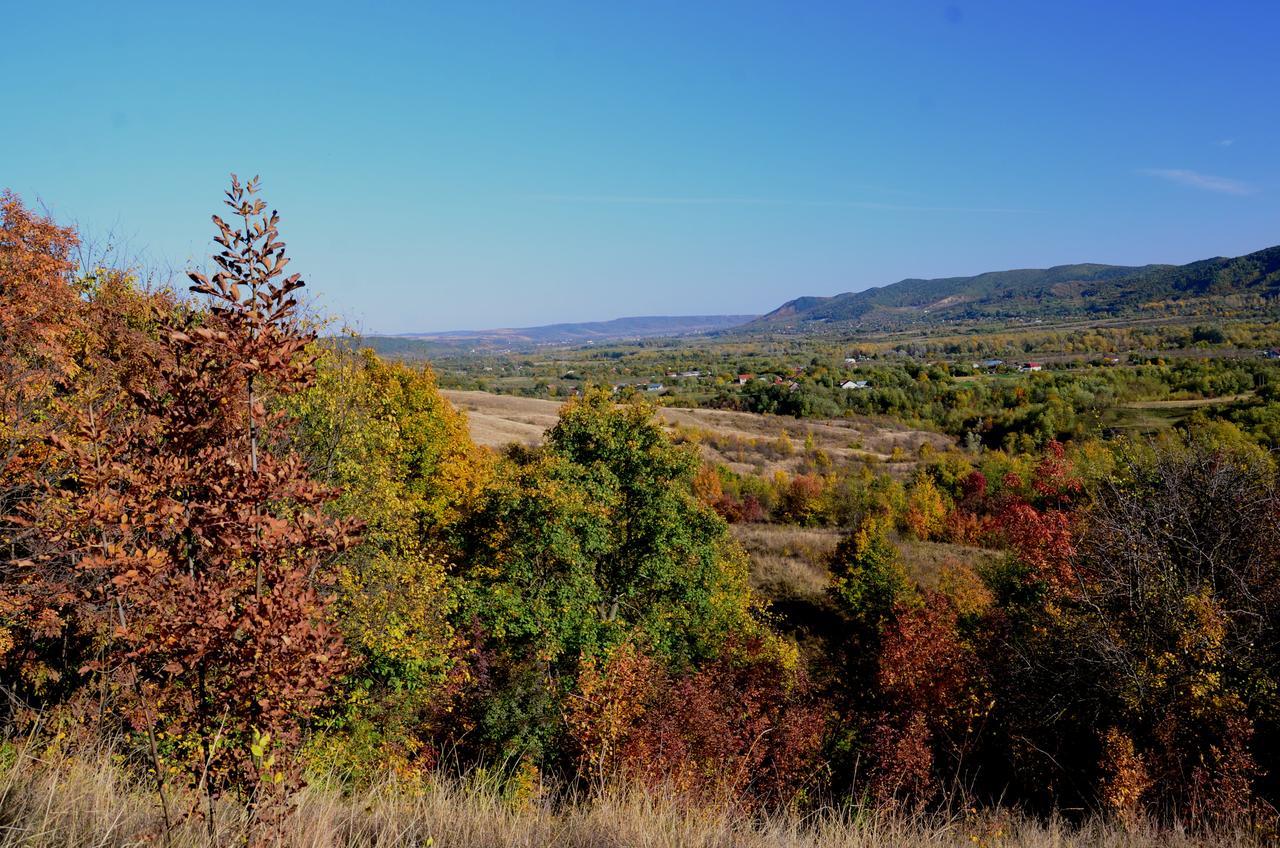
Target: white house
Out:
[855,384]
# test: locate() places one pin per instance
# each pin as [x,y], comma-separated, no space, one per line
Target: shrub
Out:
[741,728]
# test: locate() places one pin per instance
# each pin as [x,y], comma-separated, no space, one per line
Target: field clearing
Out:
[791,562]
[788,561]
[1152,416]
[1188,403]
[743,441]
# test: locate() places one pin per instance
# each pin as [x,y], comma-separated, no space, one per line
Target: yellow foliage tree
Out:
[926,509]
[407,469]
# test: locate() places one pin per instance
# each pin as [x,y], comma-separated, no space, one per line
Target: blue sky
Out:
[478,164]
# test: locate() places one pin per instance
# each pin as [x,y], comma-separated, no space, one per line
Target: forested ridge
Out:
[251,565]
[1063,290]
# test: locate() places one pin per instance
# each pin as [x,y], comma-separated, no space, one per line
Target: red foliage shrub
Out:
[973,488]
[801,499]
[1040,529]
[902,751]
[962,527]
[924,666]
[741,728]
[749,510]
[1043,540]
[1221,785]
[932,701]
[1053,483]
[1202,762]
[612,696]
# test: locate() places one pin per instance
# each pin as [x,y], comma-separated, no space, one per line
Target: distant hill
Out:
[1061,291]
[619,329]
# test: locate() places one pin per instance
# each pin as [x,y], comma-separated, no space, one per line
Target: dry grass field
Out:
[52,797]
[790,562]
[500,420]
[743,441]
[1189,403]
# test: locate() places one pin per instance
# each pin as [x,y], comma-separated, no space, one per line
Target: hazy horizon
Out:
[473,168]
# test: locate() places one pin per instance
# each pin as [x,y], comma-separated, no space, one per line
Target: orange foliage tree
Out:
[39,311]
[195,539]
[932,700]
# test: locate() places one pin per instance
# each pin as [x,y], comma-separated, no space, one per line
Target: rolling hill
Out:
[1058,292]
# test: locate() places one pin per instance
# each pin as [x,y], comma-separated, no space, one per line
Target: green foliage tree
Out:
[673,571]
[593,539]
[868,578]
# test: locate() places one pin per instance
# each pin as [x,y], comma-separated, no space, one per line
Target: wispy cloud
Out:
[1204,182]
[669,200]
[1226,142]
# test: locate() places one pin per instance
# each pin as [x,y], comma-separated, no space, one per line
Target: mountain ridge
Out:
[631,327]
[1082,288]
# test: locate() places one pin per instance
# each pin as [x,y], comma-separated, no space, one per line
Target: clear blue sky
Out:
[476,164]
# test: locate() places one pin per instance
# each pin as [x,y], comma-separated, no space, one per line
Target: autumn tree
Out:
[926,509]
[40,315]
[595,539]
[196,536]
[931,703]
[868,578]
[743,728]
[1179,629]
[404,466]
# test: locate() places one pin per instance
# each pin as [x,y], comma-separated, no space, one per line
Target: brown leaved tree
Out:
[197,538]
[38,311]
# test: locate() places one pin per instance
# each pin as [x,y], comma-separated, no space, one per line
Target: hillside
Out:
[1064,290]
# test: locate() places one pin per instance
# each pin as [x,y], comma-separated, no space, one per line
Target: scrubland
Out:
[257,588]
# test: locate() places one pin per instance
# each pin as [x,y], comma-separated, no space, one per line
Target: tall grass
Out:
[81,799]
